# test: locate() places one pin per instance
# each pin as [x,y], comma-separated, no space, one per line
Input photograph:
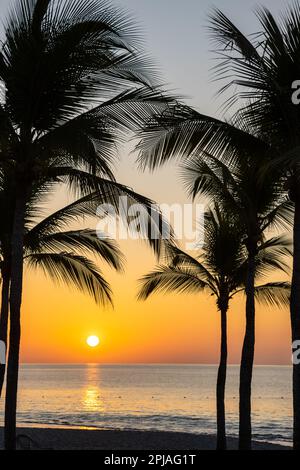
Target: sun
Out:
[93,341]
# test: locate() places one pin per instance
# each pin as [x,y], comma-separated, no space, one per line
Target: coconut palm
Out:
[72,80]
[263,69]
[259,205]
[221,271]
[225,162]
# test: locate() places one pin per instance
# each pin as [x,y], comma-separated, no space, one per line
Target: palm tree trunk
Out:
[221,381]
[4,315]
[245,431]
[295,322]
[15,327]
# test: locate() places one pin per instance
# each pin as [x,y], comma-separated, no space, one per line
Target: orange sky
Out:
[171,328]
[166,328]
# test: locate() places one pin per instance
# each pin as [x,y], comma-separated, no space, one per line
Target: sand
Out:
[57,439]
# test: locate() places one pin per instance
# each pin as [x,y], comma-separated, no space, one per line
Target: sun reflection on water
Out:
[92,399]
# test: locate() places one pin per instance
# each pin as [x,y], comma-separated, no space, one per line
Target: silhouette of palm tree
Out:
[221,270]
[262,69]
[73,81]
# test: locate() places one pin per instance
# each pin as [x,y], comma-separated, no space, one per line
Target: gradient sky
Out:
[173,328]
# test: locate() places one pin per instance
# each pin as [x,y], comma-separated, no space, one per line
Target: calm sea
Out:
[151,397]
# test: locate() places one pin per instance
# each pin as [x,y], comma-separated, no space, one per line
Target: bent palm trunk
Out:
[295,322]
[221,382]
[4,316]
[245,431]
[15,328]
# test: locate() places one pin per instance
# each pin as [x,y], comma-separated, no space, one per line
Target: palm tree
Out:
[225,162]
[259,203]
[220,270]
[263,69]
[73,80]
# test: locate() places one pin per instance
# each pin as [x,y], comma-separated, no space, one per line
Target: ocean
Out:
[151,397]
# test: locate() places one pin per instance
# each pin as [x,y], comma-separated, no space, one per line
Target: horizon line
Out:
[149,364]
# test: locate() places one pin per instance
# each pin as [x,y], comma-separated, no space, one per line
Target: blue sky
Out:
[176,36]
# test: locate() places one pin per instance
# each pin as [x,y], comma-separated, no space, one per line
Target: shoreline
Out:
[48,438]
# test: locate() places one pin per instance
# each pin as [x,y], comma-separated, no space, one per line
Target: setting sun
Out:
[93,341]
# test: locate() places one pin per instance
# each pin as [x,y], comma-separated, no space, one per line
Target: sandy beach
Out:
[78,439]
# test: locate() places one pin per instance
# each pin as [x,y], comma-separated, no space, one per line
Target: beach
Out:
[86,439]
[145,405]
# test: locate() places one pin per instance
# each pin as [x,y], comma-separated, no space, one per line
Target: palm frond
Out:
[83,207]
[79,240]
[64,56]
[73,270]
[274,294]
[179,132]
[152,226]
[262,72]
[280,216]
[274,254]
[207,176]
[174,257]
[227,36]
[91,140]
[168,279]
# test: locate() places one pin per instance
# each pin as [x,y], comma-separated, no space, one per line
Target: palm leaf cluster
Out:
[221,266]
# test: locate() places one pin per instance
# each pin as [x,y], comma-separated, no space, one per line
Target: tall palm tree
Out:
[221,270]
[262,69]
[225,162]
[258,203]
[73,80]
